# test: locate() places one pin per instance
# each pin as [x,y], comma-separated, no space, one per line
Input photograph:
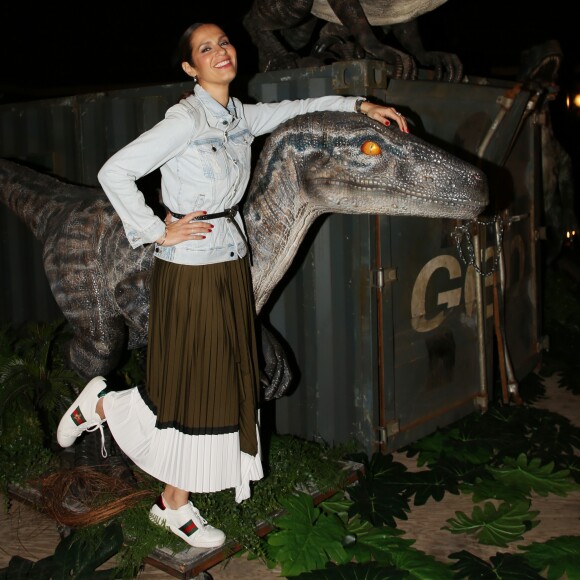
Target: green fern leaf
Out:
[307,538]
[499,490]
[368,571]
[383,468]
[79,558]
[532,476]
[551,435]
[380,494]
[495,526]
[559,556]
[502,567]
[420,565]
[469,442]
[377,506]
[338,505]
[432,484]
[574,467]
[430,448]
[374,543]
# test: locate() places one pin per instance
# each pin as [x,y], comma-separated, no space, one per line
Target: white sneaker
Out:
[187,523]
[82,416]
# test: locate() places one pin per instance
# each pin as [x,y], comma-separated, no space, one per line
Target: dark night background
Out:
[55,50]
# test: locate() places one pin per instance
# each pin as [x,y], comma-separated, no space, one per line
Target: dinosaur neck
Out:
[280,218]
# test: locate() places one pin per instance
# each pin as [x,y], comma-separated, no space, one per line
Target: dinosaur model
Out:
[314,164]
[281,28]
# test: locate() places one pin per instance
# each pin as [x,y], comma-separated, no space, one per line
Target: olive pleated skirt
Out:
[195,424]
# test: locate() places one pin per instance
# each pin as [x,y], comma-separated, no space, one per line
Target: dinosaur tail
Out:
[37,198]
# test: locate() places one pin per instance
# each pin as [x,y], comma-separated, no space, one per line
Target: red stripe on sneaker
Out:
[77,416]
[188,528]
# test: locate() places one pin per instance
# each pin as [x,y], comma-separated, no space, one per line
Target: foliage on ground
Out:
[562,326]
[503,458]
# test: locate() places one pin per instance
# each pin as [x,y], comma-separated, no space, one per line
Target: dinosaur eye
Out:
[370,148]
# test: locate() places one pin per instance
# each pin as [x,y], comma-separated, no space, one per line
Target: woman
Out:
[195,424]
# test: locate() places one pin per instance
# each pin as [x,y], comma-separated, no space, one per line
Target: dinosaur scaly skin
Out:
[280,28]
[310,166]
[315,165]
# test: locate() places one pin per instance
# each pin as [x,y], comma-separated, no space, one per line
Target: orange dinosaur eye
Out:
[370,148]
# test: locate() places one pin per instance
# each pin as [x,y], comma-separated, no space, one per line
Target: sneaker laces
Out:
[99,426]
[196,512]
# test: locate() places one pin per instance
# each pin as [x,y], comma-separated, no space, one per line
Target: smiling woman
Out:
[194,425]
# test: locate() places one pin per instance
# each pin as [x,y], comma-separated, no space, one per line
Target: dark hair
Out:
[183,51]
[184,44]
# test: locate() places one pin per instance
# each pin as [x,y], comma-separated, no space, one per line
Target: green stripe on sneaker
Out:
[188,528]
[77,417]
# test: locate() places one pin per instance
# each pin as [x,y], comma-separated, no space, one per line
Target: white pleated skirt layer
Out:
[174,457]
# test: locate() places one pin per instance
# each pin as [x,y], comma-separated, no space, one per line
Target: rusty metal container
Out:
[392,319]
[390,325]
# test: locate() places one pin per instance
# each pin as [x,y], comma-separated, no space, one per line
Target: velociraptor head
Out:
[346,163]
[352,164]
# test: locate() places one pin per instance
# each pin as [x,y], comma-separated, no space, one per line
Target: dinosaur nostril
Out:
[371,148]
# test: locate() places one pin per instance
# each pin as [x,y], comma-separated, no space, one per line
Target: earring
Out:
[195,79]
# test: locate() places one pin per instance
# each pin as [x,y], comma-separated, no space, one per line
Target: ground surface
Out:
[28,534]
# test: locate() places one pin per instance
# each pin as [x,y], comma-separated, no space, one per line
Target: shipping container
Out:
[395,325]
[389,320]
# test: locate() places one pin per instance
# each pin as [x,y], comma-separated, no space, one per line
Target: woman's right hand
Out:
[186,228]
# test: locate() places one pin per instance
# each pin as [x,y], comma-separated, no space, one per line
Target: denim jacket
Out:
[203,151]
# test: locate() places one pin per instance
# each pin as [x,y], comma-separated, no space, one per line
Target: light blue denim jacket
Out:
[203,152]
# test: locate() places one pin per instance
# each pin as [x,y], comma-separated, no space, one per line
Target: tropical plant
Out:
[503,458]
[34,387]
[35,379]
[562,321]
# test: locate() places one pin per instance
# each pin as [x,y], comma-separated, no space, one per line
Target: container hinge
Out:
[383,275]
[391,428]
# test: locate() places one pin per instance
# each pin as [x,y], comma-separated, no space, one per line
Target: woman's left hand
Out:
[384,115]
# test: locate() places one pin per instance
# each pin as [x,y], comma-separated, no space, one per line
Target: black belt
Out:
[229,213]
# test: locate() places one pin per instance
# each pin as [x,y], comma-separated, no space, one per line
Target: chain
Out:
[463,237]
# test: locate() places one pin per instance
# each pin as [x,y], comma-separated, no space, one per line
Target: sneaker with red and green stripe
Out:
[82,415]
[187,523]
